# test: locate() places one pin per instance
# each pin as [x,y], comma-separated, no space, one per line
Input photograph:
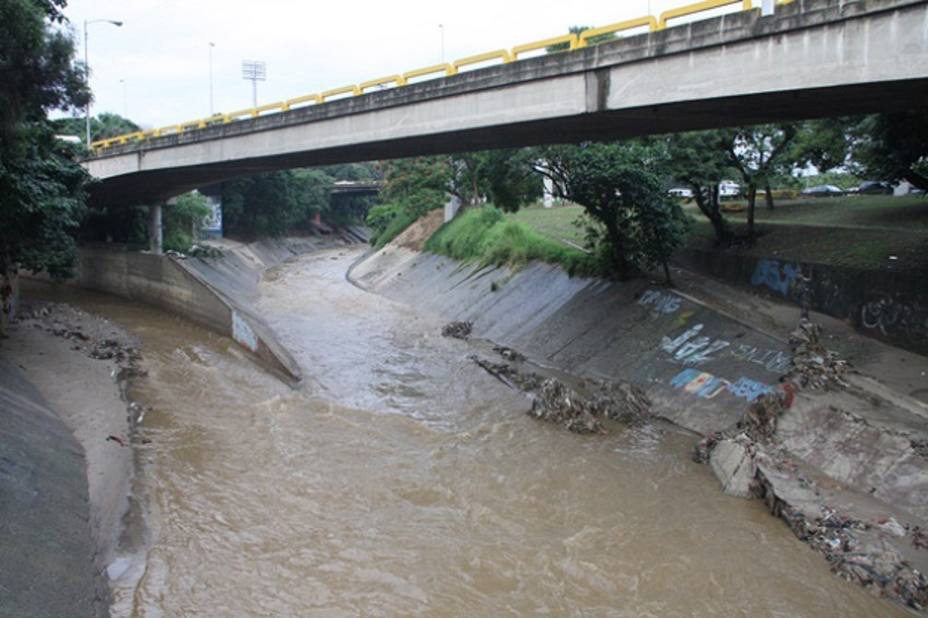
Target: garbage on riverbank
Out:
[556,402]
[755,463]
[457,330]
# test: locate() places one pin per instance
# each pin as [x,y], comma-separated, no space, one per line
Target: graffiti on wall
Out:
[242,332]
[895,317]
[775,275]
[707,386]
[691,348]
[774,361]
[660,301]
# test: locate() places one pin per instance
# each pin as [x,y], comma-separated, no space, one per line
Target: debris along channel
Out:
[862,542]
[581,409]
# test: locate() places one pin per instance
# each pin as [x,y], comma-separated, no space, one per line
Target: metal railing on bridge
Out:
[573,41]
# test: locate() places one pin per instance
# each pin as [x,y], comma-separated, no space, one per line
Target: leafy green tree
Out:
[756,152]
[101,127]
[182,221]
[699,161]
[412,187]
[892,147]
[619,186]
[42,188]
[504,177]
[274,204]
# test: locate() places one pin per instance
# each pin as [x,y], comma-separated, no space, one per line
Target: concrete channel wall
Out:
[700,367]
[173,284]
[891,306]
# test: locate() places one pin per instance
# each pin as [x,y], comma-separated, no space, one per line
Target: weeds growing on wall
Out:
[485,236]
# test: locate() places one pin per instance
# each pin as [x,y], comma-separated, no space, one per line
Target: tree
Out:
[504,177]
[619,186]
[274,204]
[699,161]
[412,187]
[893,147]
[42,188]
[755,152]
[102,126]
[182,221]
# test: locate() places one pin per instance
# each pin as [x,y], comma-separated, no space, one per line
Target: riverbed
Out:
[401,479]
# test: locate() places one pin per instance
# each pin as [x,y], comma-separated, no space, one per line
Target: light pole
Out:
[211,46]
[87,67]
[441,30]
[125,98]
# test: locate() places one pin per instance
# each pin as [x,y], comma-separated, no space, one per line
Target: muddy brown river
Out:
[402,480]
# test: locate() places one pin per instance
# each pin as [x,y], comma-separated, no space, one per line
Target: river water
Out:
[400,479]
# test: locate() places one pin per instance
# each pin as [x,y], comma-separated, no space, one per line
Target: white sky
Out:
[161,52]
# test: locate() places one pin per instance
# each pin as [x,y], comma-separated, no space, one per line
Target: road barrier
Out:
[574,41]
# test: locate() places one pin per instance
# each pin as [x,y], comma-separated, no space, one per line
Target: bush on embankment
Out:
[486,236]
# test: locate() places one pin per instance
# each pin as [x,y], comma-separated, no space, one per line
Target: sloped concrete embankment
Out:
[854,460]
[48,554]
[215,292]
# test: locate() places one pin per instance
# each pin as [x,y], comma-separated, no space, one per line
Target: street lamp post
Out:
[441,30]
[87,67]
[211,46]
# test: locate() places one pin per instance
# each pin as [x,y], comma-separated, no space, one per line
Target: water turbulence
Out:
[402,479]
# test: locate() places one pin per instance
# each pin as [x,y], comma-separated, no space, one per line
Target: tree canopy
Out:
[42,188]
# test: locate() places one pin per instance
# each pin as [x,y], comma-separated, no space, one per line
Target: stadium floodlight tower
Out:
[255,71]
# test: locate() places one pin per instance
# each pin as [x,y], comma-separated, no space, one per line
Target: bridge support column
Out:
[154,229]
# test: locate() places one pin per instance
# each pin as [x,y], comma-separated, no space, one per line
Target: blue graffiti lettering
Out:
[777,276]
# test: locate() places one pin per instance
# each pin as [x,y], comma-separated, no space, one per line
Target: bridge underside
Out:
[815,59]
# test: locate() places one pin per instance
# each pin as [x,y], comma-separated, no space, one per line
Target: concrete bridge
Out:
[812,58]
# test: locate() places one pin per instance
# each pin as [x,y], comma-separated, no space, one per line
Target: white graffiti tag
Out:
[692,349]
[663,302]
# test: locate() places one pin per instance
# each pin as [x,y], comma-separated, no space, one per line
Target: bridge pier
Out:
[155,233]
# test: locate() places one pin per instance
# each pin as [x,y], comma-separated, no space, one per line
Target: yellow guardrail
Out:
[574,41]
[629,24]
[570,39]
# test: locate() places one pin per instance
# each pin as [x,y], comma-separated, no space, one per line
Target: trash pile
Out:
[458,330]
[93,335]
[556,402]
[813,366]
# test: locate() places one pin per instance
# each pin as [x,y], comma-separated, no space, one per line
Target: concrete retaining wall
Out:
[891,306]
[701,368]
[179,287]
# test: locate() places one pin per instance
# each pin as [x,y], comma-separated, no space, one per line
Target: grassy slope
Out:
[486,236]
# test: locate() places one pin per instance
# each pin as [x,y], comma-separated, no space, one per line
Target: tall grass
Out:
[485,236]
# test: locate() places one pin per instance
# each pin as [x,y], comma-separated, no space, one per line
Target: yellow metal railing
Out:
[573,41]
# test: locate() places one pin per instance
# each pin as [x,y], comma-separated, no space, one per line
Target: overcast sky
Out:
[155,68]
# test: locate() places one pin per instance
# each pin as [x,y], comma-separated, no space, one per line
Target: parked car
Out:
[875,187]
[729,188]
[681,192]
[822,191]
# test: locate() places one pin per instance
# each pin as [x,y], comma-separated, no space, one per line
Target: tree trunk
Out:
[752,199]
[768,195]
[666,273]
[616,252]
[707,200]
